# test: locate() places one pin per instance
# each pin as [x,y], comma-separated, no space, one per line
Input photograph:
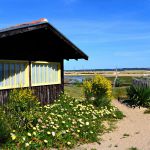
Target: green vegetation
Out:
[74,91]
[124,81]
[126,135]
[21,108]
[64,123]
[139,96]
[98,89]
[120,93]
[133,148]
[147,111]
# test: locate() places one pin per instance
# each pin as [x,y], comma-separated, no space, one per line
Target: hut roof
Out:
[37,40]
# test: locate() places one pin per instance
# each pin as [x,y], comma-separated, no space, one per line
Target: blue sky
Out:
[113,33]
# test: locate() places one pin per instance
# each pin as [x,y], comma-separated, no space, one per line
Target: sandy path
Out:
[135,125]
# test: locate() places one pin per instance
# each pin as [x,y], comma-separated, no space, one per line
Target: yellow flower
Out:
[68,143]
[48,133]
[63,122]
[34,128]
[87,123]
[45,141]
[34,133]
[13,136]
[24,138]
[27,144]
[29,134]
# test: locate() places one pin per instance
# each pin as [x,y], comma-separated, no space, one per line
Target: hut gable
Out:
[37,40]
[32,56]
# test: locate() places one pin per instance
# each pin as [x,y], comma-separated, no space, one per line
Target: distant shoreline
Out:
[133,73]
[113,69]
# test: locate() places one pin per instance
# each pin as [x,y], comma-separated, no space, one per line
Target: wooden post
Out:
[62,75]
[30,74]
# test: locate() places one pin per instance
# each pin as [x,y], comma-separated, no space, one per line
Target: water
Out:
[73,79]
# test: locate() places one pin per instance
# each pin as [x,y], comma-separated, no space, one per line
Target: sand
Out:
[132,131]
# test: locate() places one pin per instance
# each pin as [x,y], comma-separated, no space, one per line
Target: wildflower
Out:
[78,131]
[39,120]
[91,132]
[14,131]
[68,143]
[81,125]
[24,138]
[34,133]
[87,123]
[43,127]
[34,128]
[52,122]
[27,144]
[13,136]
[63,122]
[48,133]
[29,134]
[45,141]
[53,133]
[63,132]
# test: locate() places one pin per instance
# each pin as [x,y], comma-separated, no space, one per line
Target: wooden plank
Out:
[30,74]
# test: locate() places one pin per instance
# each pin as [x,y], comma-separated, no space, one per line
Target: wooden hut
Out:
[31,56]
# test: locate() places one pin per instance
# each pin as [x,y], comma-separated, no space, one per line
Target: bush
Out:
[139,95]
[102,102]
[117,82]
[21,107]
[63,124]
[87,89]
[120,93]
[98,89]
[4,128]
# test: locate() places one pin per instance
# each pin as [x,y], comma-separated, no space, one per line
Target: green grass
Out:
[120,92]
[123,80]
[74,91]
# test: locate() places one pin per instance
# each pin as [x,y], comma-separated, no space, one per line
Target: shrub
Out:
[98,89]
[139,95]
[87,89]
[21,107]
[63,124]
[4,128]
[101,102]
[117,82]
[120,93]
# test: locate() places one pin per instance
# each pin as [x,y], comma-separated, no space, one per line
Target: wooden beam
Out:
[30,84]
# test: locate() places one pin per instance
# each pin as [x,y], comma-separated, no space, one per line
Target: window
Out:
[13,74]
[45,73]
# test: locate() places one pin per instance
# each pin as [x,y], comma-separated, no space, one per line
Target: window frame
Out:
[46,83]
[15,85]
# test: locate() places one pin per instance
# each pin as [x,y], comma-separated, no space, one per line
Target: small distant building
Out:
[31,56]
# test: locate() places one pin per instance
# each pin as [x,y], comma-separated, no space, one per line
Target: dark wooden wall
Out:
[45,94]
